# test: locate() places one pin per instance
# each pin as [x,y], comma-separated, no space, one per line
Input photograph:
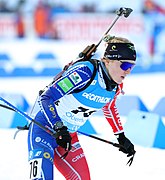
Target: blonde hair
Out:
[113,39]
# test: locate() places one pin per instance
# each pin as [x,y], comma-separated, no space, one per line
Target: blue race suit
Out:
[60,103]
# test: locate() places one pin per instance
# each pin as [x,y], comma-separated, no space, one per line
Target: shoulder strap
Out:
[95,65]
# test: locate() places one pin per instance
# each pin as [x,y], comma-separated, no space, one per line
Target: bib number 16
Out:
[35,168]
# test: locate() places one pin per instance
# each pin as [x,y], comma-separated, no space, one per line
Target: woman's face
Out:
[115,71]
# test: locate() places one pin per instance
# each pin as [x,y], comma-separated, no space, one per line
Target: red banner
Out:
[7,26]
[78,26]
[92,27]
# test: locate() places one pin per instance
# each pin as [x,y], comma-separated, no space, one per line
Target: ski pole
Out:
[52,132]
[48,129]
[100,139]
[6,107]
[13,108]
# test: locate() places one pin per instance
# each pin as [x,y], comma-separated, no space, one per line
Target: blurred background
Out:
[38,37]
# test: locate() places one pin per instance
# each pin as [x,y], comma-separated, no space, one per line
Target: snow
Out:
[104,160]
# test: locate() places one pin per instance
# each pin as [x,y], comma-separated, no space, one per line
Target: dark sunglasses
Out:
[126,65]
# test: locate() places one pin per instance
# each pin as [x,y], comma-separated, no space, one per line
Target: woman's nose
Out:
[128,71]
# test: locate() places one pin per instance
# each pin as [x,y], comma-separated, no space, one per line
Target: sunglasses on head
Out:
[126,65]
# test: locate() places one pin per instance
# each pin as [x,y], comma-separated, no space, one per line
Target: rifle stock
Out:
[88,52]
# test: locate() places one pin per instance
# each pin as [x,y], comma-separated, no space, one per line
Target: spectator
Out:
[43,21]
[19,24]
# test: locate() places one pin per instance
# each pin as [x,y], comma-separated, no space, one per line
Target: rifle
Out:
[90,50]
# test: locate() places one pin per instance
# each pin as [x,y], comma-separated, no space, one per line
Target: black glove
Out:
[128,147]
[63,138]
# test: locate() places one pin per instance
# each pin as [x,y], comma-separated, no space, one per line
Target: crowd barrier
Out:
[145,129]
[45,64]
[48,64]
[126,103]
[160,107]
[52,71]
[8,118]
[142,127]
